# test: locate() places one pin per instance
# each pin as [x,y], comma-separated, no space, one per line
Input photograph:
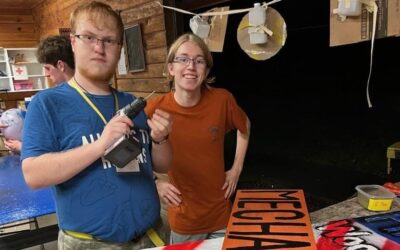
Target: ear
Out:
[171,69]
[73,41]
[60,65]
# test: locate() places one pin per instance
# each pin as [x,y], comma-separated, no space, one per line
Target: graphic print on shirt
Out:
[214,130]
[143,136]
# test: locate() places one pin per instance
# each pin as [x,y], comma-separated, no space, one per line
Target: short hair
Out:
[96,12]
[197,40]
[54,48]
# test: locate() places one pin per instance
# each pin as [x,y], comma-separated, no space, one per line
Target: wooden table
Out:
[349,208]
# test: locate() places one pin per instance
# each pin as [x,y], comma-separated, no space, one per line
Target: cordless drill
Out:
[127,148]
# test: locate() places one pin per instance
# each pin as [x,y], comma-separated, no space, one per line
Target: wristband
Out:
[165,140]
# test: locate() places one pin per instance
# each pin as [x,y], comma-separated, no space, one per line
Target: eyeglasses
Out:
[92,40]
[185,60]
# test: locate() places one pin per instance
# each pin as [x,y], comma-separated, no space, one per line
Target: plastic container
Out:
[199,27]
[375,197]
[349,7]
[257,16]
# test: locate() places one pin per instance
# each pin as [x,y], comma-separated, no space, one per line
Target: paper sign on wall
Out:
[216,38]
[20,72]
[359,28]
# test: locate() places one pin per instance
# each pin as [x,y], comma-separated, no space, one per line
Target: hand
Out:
[13,145]
[3,125]
[160,124]
[117,127]
[231,180]
[168,193]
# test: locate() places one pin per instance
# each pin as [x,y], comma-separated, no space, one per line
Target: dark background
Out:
[311,124]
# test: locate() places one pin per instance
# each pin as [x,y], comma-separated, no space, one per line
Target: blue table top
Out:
[17,200]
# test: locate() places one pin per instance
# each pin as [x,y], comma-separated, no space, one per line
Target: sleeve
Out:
[151,107]
[236,117]
[38,134]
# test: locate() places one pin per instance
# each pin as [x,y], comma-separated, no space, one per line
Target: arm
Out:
[160,124]
[57,167]
[232,175]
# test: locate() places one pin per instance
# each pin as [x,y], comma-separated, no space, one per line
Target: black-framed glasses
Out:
[185,60]
[92,40]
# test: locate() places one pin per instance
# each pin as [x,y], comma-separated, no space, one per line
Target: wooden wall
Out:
[54,14]
[17,29]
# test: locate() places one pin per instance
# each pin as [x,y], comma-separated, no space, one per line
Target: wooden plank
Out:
[15,11]
[19,36]
[21,27]
[151,71]
[153,24]
[269,219]
[144,85]
[141,12]
[155,40]
[156,55]
[16,18]
[19,44]
[144,94]
[126,5]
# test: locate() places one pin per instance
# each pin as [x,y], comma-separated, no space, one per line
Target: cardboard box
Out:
[358,29]
[22,84]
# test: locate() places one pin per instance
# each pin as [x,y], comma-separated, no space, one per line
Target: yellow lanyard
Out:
[74,84]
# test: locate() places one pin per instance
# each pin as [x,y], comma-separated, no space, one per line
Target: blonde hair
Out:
[199,42]
[97,12]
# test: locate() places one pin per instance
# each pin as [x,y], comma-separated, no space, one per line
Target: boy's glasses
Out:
[92,40]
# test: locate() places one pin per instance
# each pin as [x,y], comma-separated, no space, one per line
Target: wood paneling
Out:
[153,24]
[37,19]
[19,44]
[144,11]
[17,29]
[21,37]
[16,18]
[156,55]
[19,4]
[150,16]
[155,40]
[152,71]
[144,85]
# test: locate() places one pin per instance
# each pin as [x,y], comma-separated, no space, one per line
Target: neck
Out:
[68,73]
[186,98]
[92,87]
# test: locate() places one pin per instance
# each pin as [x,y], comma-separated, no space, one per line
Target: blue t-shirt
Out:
[97,201]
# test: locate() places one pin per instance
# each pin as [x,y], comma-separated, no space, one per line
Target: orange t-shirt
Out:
[197,170]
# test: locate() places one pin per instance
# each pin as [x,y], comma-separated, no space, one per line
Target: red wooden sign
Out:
[269,219]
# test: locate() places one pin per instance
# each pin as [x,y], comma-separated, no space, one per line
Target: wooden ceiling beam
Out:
[192,5]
